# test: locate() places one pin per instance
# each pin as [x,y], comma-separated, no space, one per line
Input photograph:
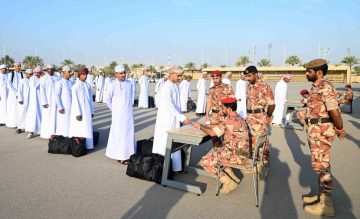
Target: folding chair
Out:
[250,166]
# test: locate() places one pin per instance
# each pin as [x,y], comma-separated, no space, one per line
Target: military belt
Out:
[317,120]
[255,111]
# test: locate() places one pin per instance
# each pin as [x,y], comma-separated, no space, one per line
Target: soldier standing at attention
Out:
[259,97]
[324,123]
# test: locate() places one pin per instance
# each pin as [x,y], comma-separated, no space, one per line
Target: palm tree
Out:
[9,61]
[205,65]
[242,61]
[32,61]
[191,67]
[78,66]
[264,62]
[68,62]
[350,61]
[112,65]
[93,68]
[293,60]
[126,66]
[356,70]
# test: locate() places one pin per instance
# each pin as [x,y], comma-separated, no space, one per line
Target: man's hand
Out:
[196,125]
[340,133]
[78,118]
[61,111]
[187,121]
[46,105]
[21,102]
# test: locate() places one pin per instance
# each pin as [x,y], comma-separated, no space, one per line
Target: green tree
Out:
[93,69]
[68,62]
[264,62]
[205,65]
[7,60]
[356,70]
[32,61]
[126,66]
[350,61]
[222,66]
[242,61]
[190,66]
[151,68]
[76,67]
[293,60]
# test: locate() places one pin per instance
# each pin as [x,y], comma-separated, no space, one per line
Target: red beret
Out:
[83,71]
[216,73]
[304,91]
[228,100]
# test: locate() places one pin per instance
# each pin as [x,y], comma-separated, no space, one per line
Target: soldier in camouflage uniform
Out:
[259,97]
[234,148]
[324,123]
[348,95]
[216,93]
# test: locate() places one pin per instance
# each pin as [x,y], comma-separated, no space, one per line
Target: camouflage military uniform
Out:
[235,144]
[216,94]
[322,99]
[259,96]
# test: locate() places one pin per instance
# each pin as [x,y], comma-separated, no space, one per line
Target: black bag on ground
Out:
[146,167]
[78,147]
[59,145]
[191,105]
[96,136]
[151,102]
[144,146]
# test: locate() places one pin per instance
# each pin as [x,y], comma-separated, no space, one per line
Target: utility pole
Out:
[325,51]
[254,61]
[269,47]
[226,58]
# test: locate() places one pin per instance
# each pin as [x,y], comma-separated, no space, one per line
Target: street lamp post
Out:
[325,51]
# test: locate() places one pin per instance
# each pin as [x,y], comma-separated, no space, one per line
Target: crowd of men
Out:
[42,103]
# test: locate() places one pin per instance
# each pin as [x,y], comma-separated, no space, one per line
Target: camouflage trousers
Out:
[258,124]
[320,138]
[220,155]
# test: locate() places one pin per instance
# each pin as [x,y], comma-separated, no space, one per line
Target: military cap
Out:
[315,63]
[250,69]
[304,91]
[215,73]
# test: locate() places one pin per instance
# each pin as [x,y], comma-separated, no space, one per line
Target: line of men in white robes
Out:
[45,104]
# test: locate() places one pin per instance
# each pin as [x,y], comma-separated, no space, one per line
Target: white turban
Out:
[66,68]
[28,71]
[175,69]
[119,68]
[3,66]
[50,66]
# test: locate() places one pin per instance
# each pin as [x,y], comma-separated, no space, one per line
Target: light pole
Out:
[269,47]
[325,51]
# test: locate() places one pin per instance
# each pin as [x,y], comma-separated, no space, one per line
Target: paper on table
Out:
[188,130]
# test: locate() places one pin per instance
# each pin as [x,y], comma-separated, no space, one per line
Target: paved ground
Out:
[35,184]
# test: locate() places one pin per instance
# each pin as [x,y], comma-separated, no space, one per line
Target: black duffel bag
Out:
[146,167]
[96,136]
[144,146]
[78,147]
[191,105]
[151,102]
[59,145]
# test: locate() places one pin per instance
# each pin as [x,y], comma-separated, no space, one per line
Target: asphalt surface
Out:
[35,184]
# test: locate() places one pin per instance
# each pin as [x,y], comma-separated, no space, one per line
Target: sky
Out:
[179,31]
